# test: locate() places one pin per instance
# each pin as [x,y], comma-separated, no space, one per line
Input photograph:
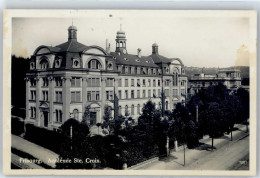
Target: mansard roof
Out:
[133,60]
[72,46]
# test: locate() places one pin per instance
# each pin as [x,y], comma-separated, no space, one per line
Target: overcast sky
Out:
[198,42]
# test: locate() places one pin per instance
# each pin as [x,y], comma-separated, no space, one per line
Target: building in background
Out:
[72,80]
[229,77]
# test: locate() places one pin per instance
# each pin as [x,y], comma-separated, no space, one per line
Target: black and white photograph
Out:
[133,91]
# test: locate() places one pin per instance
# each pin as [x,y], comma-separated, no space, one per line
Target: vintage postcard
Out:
[129,92]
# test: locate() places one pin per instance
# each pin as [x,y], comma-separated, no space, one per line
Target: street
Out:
[228,155]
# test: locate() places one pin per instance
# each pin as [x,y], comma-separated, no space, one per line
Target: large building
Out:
[72,80]
[229,77]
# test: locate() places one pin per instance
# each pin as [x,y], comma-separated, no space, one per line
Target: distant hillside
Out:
[214,70]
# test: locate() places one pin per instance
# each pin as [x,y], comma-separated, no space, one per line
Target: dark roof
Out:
[72,46]
[130,59]
[160,59]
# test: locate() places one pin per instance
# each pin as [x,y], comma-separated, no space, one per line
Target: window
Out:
[32,82]
[166,105]
[58,96]
[138,83]
[149,71]
[126,70]
[159,93]
[120,82]
[45,95]
[144,83]
[167,92]
[120,110]
[138,93]
[76,63]
[149,93]
[58,81]
[119,94]
[58,114]
[175,92]
[33,112]
[94,64]
[133,109]
[132,82]
[76,114]
[97,96]
[132,70]
[154,83]
[154,71]
[93,82]
[144,71]
[183,91]
[149,82]
[144,94]
[126,94]
[167,83]
[138,70]
[159,83]
[45,82]
[138,109]
[75,96]
[126,110]
[44,64]
[154,93]
[89,96]
[110,82]
[126,82]
[132,94]
[33,95]
[75,82]
[109,95]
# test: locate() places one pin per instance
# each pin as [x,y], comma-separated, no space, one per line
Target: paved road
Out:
[226,155]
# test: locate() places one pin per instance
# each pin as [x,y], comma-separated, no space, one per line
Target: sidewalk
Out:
[36,151]
[176,159]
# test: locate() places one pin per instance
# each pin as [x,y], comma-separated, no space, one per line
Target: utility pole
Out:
[71,137]
[197,113]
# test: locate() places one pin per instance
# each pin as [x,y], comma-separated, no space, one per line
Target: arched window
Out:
[94,64]
[44,64]
[166,105]
[133,109]
[76,114]
[138,109]
[126,110]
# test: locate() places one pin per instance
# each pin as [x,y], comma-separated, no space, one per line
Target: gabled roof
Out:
[134,60]
[72,46]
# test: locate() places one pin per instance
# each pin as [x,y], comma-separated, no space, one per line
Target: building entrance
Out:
[93,118]
[46,118]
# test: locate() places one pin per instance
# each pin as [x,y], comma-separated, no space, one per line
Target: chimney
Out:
[139,52]
[107,46]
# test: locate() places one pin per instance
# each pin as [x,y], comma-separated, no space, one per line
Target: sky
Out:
[197,41]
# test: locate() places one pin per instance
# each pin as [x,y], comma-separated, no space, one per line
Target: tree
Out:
[212,121]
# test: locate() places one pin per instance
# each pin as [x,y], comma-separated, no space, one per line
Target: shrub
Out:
[46,138]
[17,126]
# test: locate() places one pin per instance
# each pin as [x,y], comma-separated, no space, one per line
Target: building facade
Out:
[229,77]
[72,80]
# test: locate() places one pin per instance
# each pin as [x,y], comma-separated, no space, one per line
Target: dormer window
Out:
[148,61]
[126,59]
[76,63]
[94,64]
[109,65]
[32,65]
[57,62]
[44,64]
[137,60]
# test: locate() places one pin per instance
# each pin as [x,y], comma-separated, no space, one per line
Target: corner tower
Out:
[121,41]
